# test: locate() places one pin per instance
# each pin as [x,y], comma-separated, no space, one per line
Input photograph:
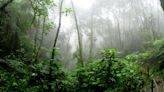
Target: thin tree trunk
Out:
[152,29]
[152,86]
[53,49]
[119,33]
[41,41]
[34,17]
[91,38]
[35,39]
[79,36]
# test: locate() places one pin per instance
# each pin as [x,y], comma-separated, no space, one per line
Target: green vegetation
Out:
[107,73]
[26,64]
[110,74]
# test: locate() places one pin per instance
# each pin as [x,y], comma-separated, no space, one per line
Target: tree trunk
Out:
[91,38]
[41,41]
[53,49]
[34,17]
[36,38]
[79,36]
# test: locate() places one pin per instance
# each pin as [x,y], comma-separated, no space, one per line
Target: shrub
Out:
[110,74]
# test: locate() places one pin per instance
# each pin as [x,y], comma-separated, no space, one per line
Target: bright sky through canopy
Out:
[84,4]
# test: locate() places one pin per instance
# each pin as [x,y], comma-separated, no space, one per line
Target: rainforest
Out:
[81,45]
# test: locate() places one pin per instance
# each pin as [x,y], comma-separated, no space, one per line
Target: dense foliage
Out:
[107,73]
[110,74]
[26,66]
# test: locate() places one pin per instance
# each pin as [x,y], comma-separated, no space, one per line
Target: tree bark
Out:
[41,41]
[54,46]
[79,36]
[36,38]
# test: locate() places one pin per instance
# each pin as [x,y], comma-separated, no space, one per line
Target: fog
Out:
[126,25]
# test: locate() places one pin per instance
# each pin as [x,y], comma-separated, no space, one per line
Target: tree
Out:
[91,37]
[79,36]
[41,40]
[54,47]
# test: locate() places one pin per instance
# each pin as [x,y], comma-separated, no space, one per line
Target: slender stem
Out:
[33,7]
[54,45]
[41,41]
[79,36]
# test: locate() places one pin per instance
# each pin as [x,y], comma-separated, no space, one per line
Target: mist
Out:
[81,45]
[122,24]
